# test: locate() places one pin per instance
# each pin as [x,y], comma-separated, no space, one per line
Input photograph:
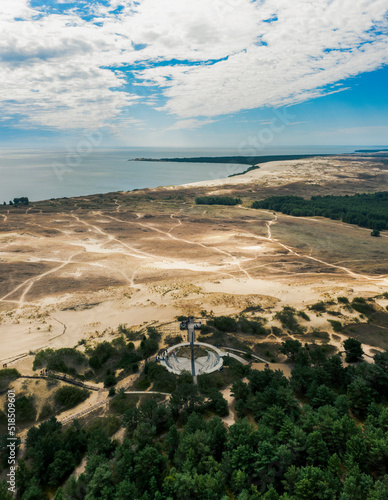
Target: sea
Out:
[41,174]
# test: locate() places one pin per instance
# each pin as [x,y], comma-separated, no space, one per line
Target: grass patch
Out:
[287,317]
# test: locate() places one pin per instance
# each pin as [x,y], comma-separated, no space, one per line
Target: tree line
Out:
[19,201]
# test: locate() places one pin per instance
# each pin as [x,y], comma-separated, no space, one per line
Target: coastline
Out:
[274,172]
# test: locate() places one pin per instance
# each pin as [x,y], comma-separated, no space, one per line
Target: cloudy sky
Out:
[194,73]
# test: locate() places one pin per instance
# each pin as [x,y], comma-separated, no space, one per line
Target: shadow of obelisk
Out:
[191,339]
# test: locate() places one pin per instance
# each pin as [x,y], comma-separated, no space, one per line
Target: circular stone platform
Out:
[204,364]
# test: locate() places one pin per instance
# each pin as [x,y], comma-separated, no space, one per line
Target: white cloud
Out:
[54,67]
[190,124]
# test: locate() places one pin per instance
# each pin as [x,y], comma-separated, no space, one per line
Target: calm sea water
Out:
[43,174]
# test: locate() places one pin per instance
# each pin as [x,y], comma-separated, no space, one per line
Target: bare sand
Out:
[69,272]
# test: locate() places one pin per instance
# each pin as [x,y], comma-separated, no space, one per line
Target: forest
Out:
[320,435]
[217,200]
[364,210]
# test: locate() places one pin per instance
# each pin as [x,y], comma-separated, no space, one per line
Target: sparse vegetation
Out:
[362,306]
[287,317]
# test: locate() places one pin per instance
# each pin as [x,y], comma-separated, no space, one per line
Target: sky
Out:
[173,73]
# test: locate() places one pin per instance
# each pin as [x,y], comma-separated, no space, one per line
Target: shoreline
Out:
[268,169]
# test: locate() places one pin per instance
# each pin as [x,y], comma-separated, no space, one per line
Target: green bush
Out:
[251,327]
[109,379]
[303,315]
[25,409]
[224,324]
[288,320]
[67,397]
[143,384]
[337,325]
[63,360]
[163,380]
[318,307]
[7,375]
[46,412]
[360,305]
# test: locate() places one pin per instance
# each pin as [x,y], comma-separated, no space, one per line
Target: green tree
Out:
[290,348]
[353,350]
[359,396]
[316,449]
[101,485]
[381,360]
[4,493]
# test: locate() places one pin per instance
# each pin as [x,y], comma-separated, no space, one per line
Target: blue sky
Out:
[234,73]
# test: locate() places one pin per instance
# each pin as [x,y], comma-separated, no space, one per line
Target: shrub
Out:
[25,409]
[109,380]
[319,334]
[7,375]
[303,315]
[361,306]
[163,380]
[61,360]
[224,324]
[251,327]
[67,397]
[143,384]
[337,325]
[288,320]
[46,412]
[343,300]
[149,347]
[318,307]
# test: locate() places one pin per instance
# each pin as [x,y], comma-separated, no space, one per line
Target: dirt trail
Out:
[270,238]
[173,216]
[31,281]
[232,417]
[235,260]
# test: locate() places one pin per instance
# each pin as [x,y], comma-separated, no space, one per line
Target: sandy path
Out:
[31,281]
[231,418]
